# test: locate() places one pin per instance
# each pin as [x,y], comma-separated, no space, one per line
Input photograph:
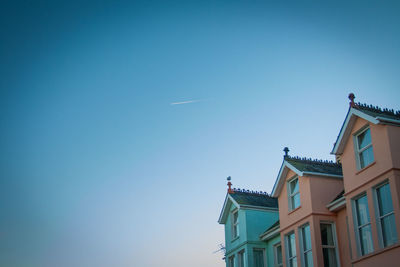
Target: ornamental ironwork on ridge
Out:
[311,160]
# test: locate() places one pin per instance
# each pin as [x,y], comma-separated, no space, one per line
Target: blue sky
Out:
[99,169]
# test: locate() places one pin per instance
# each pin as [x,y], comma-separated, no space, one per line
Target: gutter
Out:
[336,205]
[271,233]
[388,120]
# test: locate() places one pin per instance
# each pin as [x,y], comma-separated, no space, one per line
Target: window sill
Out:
[234,239]
[366,167]
[294,210]
[374,253]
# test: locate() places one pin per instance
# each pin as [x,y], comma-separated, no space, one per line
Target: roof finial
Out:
[230,191]
[286,149]
[351,97]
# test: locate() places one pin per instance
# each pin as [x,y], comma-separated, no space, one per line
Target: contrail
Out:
[185,102]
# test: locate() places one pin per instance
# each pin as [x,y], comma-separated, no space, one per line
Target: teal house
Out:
[250,219]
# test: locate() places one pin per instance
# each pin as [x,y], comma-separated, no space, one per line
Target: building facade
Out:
[342,213]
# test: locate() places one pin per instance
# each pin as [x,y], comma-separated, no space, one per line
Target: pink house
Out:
[345,213]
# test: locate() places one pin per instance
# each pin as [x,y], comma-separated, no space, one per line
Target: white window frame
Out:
[288,246]
[357,227]
[276,263]
[241,254]
[379,217]
[335,243]
[292,195]
[303,252]
[263,254]
[358,151]
[231,261]
[235,224]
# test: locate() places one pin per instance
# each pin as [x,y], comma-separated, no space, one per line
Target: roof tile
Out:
[252,198]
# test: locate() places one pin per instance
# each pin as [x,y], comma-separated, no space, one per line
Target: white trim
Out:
[283,171]
[358,151]
[271,233]
[322,174]
[275,246]
[229,200]
[303,252]
[226,207]
[292,195]
[379,217]
[334,235]
[348,124]
[336,205]
[287,245]
[235,224]
[357,227]
[250,207]
[286,166]
[388,120]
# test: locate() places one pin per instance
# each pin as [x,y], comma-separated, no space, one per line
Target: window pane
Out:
[306,237]
[384,199]
[279,254]
[366,157]
[327,235]
[366,239]
[292,245]
[364,139]
[293,262]
[295,201]
[294,186]
[308,259]
[235,217]
[329,257]
[232,262]
[241,259]
[389,230]
[258,258]
[362,210]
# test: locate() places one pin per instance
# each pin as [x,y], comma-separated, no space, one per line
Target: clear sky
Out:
[101,163]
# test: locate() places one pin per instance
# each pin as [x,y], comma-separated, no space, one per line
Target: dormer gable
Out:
[305,167]
[372,114]
[246,199]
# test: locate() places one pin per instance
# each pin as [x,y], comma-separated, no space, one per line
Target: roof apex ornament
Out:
[286,150]
[352,97]
[230,191]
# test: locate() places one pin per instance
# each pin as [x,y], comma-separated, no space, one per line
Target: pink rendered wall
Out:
[386,149]
[324,190]
[381,148]
[287,217]
[343,238]
[394,142]
[315,193]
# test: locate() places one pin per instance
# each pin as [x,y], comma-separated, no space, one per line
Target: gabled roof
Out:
[305,167]
[247,199]
[373,114]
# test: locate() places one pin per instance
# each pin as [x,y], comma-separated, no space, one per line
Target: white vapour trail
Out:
[185,102]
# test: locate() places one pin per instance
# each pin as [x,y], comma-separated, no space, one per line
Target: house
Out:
[246,214]
[343,213]
[304,187]
[368,147]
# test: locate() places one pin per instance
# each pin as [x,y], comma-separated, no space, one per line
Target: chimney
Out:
[351,97]
[286,150]
[230,191]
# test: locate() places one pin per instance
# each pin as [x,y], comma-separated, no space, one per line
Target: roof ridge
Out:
[378,109]
[311,160]
[251,192]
